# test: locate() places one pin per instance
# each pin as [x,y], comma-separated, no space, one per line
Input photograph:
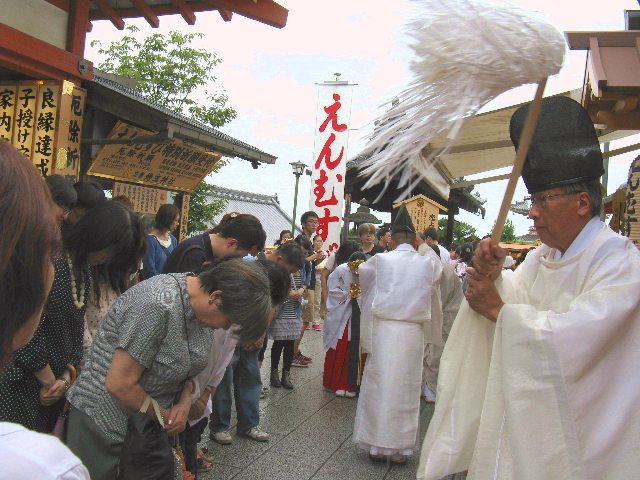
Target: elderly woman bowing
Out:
[154,340]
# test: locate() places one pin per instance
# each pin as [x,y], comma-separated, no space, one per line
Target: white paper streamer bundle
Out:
[467,52]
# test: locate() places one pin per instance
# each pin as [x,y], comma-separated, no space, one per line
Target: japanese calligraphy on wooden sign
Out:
[8,97]
[24,118]
[45,128]
[423,212]
[631,225]
[71,114]
[330,159]
[184,217]
[34,118]
[145,200]
[173,165]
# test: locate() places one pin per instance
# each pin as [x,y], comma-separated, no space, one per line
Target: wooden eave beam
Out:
[159,10]
[264,11]
[31,56]
[61,4]
[226,15]
[110,14]
[146,11]
[185,11]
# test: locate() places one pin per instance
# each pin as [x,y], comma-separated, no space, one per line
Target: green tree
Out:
[169,71]
[462,231]
[508,232]
[202,210]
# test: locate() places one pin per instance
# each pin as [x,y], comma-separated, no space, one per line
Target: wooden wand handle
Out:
[523,148]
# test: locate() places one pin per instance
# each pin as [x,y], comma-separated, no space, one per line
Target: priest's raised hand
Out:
[482,295]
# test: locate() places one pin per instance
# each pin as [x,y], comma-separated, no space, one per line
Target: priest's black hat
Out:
[564,149]
[402,223]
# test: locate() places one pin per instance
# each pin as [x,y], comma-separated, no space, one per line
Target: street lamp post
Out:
[298,169]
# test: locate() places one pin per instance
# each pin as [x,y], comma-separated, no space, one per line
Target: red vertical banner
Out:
[329,164]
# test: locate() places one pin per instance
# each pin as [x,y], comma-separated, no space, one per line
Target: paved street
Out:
[310,434]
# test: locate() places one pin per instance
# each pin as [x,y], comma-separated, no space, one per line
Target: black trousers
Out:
[277,348]
[189,439]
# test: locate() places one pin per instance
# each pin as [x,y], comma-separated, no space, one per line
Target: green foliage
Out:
[508,233]
[462,232]
[169,71]
[201,210]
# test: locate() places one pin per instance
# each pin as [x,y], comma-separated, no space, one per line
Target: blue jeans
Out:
[243,375]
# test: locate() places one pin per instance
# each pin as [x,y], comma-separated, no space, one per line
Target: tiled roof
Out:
[220,142]
[265,207]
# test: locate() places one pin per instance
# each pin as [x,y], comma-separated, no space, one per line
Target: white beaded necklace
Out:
[78,300]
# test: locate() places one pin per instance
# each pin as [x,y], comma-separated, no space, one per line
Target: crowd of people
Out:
[104,329]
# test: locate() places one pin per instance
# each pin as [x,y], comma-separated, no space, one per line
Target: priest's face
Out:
[557,216]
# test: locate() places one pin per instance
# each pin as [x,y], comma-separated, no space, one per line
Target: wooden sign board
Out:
[173,165]
[423,212]
[43,119]
[145,200]
[631,225]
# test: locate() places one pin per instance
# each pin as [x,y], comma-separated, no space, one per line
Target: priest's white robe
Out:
[550,391]
[395,326]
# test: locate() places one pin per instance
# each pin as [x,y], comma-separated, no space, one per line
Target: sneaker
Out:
[264,392]
[223,438]
[316,327]
[258,435]
[307,327]
[298,361]
[304,357]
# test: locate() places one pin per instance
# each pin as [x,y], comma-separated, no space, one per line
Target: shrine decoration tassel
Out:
[467,52]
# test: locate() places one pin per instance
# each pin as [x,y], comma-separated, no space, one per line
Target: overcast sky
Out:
[270,76]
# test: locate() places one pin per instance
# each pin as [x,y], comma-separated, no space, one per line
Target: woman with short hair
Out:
[154,340]
[160,240]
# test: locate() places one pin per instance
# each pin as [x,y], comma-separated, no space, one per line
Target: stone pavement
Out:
[310,434]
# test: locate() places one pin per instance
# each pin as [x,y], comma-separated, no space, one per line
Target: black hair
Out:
[357,256]
[109,225]
[165,216]
[382,231]
[305,216]
[431,232]
[435,249]
[89,195]
[345,251]
[62,191]
[465,252]
[279,240]
[292,254]
[279,280]
[304,242]
[244,228]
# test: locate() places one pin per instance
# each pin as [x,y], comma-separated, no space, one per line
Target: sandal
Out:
[202,453]
[204,465]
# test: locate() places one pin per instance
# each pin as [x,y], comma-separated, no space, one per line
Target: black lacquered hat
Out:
[564,149]
[402,223]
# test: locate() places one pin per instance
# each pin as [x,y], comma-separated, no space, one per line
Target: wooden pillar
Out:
[450,223]
[77,26]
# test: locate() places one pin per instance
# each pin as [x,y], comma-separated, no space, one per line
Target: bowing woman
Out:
[32,391]
[154,340]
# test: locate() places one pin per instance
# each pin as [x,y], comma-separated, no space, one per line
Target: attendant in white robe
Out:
[445,302]
[395,327]
[539,377]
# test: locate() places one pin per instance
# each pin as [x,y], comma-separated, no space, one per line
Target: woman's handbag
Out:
[147,453]
[60,428]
